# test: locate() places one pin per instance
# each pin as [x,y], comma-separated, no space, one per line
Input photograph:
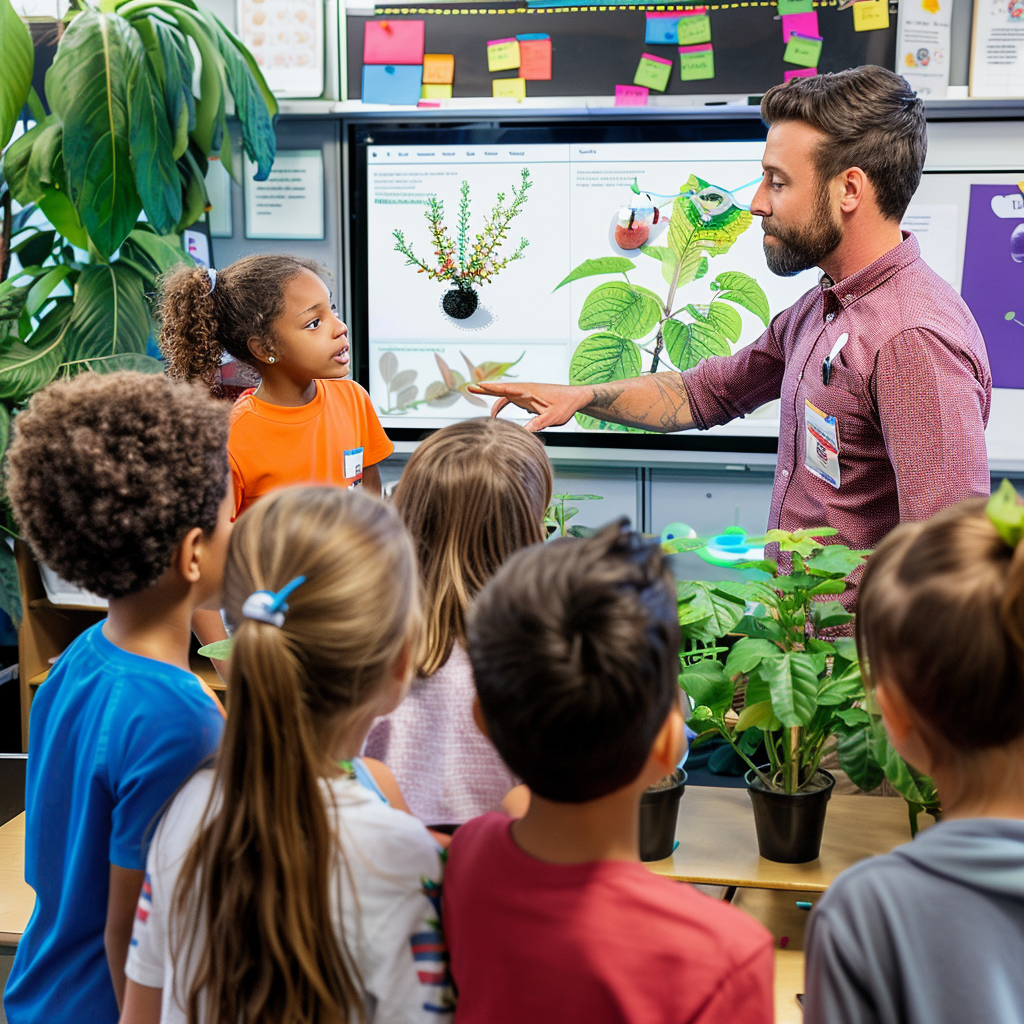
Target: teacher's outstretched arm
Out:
[655,402]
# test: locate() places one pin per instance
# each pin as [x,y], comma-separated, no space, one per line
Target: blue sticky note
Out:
[395,84]
[662,30]
[532,35]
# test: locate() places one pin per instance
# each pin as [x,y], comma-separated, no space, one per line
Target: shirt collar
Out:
[841,294]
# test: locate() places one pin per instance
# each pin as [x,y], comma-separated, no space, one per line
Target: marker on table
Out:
[826,366]
[803,905]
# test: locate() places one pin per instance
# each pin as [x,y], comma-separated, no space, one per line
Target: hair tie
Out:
[1006,513]
[212,275]
[266,606]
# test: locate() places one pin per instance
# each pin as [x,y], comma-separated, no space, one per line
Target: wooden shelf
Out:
[201,666]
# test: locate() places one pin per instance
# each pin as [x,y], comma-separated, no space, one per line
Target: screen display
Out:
[559,262]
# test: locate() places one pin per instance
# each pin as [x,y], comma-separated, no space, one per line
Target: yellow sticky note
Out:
[503,54]
[438,68]
[509,88]
[1020,184]
[436,92]
[869,15]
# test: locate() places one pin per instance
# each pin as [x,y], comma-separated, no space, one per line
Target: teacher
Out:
[881,369]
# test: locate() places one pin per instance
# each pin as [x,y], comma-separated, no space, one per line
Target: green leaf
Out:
[36,248]
[16,80]
[245,81]
[87,88]
[747,653]
[25,184]
[680,545]
[607,265]
[26,368]
[793,681]
[760,716]
[734,286]
[61,213]
[711,612]
[124,361]
[179,67]
[853,716]
[837,689]
[912,785]
[721,317]
[40,291]
[688,344]
[625,309]
[768,565]
[110,314]
[219,650]
[10,584]
[845,648]
[1006,513]
[764,627]
[161,252]
[193,181]
[828,586]
[602,358]
[690,236]
[707,685]
[857,759]
[151,144]
[829,614]
[835,560]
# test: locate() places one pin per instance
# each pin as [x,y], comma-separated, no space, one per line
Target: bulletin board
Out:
[594,49]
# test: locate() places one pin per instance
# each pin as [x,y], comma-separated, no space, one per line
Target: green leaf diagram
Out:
[602,358]
[742,289]
[721,317]
[624,309]
[688,344]
[588,268]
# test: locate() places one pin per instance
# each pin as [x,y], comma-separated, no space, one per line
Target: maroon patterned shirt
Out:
[910,391]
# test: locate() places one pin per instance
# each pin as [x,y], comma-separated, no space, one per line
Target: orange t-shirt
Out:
[327,441]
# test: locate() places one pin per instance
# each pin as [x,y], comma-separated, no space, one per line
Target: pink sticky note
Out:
[800,73]
[631,96]
[695,49]
[802,24]
[427,103]
[393,42]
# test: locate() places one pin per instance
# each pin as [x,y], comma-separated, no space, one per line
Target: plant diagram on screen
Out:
[468,266]
[631,321]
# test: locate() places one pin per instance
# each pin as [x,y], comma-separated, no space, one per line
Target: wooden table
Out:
[718,845]
[16,896]
[789,980]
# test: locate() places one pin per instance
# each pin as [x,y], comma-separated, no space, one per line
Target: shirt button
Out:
[830,318]
[849,298]
[785,472]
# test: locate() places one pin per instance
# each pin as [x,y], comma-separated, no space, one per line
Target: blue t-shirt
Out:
[112,736]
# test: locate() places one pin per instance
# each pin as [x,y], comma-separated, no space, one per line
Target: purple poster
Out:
[993,282]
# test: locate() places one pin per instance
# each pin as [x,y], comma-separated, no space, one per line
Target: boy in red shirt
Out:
[552,917]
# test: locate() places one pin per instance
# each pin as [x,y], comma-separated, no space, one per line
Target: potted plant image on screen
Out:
[467,262]
[632,322]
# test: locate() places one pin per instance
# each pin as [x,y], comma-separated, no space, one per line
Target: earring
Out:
[271,359]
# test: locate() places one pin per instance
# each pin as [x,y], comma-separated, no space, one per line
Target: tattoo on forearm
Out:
[605,397]
[656,402]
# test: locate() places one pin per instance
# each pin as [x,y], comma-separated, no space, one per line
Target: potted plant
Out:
[112,171]
[800,688]
[467,266]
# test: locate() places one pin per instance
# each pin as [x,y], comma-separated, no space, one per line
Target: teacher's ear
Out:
[854,189]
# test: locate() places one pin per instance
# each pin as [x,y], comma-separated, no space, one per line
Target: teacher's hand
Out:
[551,404]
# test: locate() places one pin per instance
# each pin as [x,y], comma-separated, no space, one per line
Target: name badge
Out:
[354,466]
[821,448]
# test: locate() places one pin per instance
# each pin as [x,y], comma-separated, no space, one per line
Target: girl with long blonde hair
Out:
[279,887]
[471,495]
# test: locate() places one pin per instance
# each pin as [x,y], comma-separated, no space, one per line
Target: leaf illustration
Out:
[472,399]
[688,344]
[402,380]
[407,395]
[495,371]
[607,265]
[721,317]
[623,308]
[604,357]
[735,286]
[446,373]
[388,366]
[439,396]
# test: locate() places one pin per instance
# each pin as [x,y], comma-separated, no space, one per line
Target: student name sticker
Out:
[821,454]
[354,466]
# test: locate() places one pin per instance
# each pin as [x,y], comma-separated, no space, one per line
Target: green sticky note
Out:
[435,91]
[695,29]
[696,62]
[802,50]
[653,72]
[795,6]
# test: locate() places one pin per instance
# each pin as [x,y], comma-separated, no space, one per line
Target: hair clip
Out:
[212,275]
[266,606]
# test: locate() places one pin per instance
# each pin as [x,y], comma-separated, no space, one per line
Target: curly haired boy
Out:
[120,484]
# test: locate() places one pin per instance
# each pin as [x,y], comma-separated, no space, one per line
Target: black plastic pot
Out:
[659,811]
[789,825]
[460,303]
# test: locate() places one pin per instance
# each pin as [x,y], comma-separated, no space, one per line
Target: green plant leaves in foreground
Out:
[588,268]
[16,80]
[602,358]
[744,291]
[110,314]
[1006,513]
[27,367]
[793,682]
[622,308]
[219,650]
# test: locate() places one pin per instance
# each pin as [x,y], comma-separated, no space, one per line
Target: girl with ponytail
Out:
[933,933]
[278,887]
[306,422]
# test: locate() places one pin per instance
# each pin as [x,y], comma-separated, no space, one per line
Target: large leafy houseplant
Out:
[799,687]
[105,182]
[632,321]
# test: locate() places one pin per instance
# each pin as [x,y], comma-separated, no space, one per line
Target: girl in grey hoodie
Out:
[933,933]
